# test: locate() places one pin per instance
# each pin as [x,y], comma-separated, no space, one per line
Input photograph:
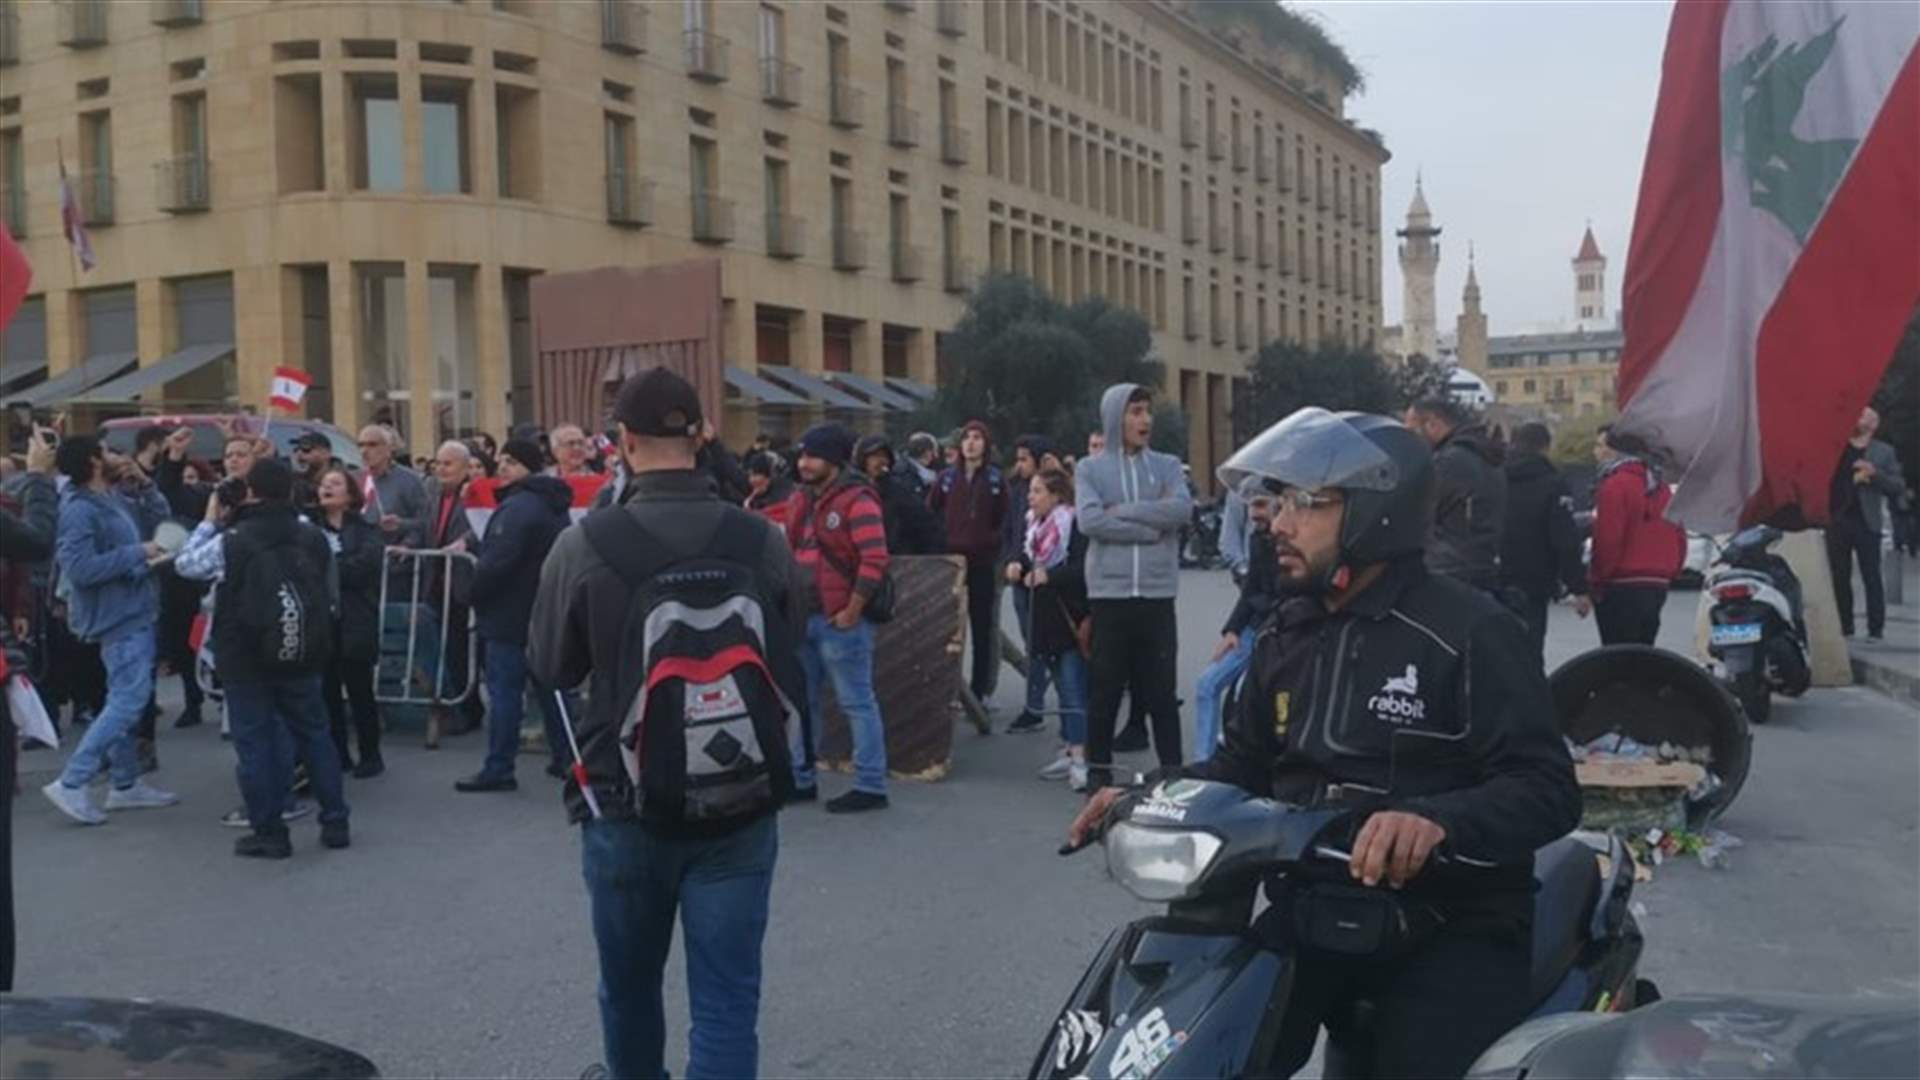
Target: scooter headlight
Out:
[1159,865]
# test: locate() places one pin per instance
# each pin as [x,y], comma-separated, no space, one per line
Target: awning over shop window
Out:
[911,387]
[874,390]
[70,383]
[759,391]
[18,372]
[128,388]
[815,389]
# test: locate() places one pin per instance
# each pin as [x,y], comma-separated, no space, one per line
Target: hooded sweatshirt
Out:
[1132,507]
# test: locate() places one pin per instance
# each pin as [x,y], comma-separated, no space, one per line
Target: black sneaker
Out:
[260,846]
[1026,723]
[854,802]
[479,782]
[804,794]
[335,834]
[369,768]
[1130,740]
[556,770]
[190,717]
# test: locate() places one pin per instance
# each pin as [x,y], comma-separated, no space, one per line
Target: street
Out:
[933,939]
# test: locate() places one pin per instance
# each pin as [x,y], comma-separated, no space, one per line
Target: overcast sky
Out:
[1527,119]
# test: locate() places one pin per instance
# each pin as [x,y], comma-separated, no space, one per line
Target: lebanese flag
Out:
[289,388]
[1775,256]
[71,225]
[483,498]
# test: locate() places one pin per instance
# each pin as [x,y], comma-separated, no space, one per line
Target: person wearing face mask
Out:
[1415,699]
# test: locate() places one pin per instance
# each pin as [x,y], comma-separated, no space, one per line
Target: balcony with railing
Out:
[1242,156]
[959,273]
[849,248]
[903,126]
[1189,132]
[1217,146]
[183,183]
[846,104]
[95,189]
[1262,166]
[909,263]
[81,24]
[956,144]
[177,12]
[951,16]
[779,82]
[712,218]
[623,26]
[629,199]
[13,210]
[1190,226]
[9,36]
[706,55]
[1217,237]
[786,236]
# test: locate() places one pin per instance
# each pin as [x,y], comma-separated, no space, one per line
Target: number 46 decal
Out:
[1144,1048]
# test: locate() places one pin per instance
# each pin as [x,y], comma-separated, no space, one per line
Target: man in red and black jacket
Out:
[971,498]
[839,538]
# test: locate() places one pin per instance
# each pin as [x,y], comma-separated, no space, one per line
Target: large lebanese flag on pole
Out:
[1775,256]
[483,498]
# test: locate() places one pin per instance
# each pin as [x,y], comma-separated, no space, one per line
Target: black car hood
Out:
[99,1037]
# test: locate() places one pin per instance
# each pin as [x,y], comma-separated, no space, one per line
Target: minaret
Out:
[1419,264]
[1590,285]
[1470,329]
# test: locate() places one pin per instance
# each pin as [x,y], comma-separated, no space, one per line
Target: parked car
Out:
[209,435]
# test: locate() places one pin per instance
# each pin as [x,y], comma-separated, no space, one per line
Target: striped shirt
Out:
[834,533]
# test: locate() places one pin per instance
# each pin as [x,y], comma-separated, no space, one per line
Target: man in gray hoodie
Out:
[1131,502]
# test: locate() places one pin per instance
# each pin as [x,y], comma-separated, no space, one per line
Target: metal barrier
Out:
[412,678]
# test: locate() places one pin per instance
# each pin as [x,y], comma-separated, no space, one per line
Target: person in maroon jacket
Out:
[839,538]
[1636,550]
[972,498]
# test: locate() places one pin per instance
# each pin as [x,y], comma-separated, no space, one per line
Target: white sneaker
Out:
[1057,768]
[139,797]
[74,802]
[1077,776]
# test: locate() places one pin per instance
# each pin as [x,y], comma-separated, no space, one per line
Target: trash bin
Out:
[1654,696]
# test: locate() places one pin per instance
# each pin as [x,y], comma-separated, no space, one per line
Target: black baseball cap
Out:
[659,403]
[312,440]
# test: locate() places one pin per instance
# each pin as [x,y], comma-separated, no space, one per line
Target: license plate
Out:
[1736,634]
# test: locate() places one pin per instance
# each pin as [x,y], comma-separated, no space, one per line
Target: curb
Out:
[1892,681]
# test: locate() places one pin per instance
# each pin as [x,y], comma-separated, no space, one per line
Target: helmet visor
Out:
[1311,449]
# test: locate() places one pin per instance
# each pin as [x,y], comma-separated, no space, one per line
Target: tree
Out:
[1022,363]
[1898,401]
[1420,377]
[1286,377]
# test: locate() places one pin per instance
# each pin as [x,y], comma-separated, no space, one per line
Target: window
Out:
[379,159]
[300,153]
[443,136]
[517,141]
[96,167]
[13,182]
[450,315]
[698,15]
[1526,386]
[381,296]
[996,133]
[773,33]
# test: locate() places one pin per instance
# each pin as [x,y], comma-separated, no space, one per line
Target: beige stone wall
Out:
[1564,390]
[280,203]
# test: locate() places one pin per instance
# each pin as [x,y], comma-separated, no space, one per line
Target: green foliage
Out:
[1285,28]
[1286,377]
[1573,440]
[1898,401]
[1022,363]
[1420,377]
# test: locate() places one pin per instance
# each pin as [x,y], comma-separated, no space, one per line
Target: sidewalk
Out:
[1892,667]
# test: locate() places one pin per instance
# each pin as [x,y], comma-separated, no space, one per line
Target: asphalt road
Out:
[934,939]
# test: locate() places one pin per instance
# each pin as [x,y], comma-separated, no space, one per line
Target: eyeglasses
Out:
[1300,501]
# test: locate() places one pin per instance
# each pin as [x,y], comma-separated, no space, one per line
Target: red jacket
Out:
[848,524]
[1633,544]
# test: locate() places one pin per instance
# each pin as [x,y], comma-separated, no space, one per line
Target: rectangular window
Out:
[443,136]
[996,133]
[994,38]
[450,315]
[773,33]
[1016,147]
[381,295]
[13,183]
[1037,157]
[517,141]
[299,131]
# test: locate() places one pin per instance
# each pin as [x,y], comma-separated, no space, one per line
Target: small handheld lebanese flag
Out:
[289,388]
[1775,257]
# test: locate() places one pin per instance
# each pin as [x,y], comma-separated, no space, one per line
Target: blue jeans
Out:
[1211,690]
[636,881]
[1069,672]
[845,657]
[108,744]
[507,683]
[273,720]
[1037,673]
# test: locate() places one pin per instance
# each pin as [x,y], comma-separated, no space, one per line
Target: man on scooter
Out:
[1418,700]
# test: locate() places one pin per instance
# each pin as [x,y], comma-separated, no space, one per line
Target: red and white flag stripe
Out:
[289,388]
[483,498]
[1775,256]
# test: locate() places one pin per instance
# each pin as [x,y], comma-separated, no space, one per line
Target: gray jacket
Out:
[1887,483]
[400,493]
[1132,508]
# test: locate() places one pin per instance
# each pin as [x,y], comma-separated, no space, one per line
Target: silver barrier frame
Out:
[419,556]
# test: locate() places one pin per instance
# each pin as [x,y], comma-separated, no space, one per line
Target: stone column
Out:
[151,337]
[806,346]
[869,358]
[335,101]
[343,332]
[922,356]
[257,334]
[63,330]
[490,345]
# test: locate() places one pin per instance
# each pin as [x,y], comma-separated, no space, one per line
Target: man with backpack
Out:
[840,542]
[273,614]
[685,611]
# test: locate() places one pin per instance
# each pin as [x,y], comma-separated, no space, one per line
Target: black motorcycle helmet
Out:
[1385,470]
[872,444]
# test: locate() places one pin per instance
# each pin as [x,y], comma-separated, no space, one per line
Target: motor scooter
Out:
[1757,629]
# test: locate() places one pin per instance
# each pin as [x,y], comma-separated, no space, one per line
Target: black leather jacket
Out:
[1469,510]
[1422,695]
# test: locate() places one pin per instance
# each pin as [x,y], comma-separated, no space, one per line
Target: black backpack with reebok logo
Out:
[284,606]
[703,722]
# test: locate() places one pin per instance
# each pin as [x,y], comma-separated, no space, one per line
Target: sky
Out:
[1526,120]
